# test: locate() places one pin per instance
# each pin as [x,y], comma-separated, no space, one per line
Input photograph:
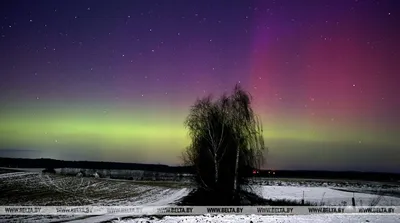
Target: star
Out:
[309,60]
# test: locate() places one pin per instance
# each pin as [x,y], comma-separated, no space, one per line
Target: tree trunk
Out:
[236,170]
[216,170]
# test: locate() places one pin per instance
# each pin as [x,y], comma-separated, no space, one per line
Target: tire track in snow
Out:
[169,197]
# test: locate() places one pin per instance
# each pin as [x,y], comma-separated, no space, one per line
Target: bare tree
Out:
[206,123]
[226,134]
[247,130]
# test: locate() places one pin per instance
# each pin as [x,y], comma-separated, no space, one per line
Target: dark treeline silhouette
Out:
[301,174]
[52,163]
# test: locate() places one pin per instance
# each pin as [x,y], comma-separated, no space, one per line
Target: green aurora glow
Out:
[125,135]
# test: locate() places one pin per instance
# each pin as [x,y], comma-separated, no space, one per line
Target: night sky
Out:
[114,80]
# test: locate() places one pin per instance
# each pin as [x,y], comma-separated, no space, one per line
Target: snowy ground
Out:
[31,187]
[323,183]
[324,196]
[9,170]
[348,218]
[35,188]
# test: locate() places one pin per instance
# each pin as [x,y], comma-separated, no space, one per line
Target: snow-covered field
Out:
[323,183]
[348,218]
[329,192]
[31,187]
[35,188]
[324,196]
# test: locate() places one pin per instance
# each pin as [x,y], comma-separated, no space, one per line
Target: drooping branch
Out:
[228,134]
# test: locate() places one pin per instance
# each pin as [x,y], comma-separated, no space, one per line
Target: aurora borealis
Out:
[114,80]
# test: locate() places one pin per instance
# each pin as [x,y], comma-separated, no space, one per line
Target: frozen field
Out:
[324,196]
[329,192]
[34,188]
[271,219]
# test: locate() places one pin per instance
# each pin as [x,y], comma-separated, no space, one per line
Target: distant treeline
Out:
[52,163]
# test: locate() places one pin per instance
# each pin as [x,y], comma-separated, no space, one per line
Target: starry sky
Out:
[114,80]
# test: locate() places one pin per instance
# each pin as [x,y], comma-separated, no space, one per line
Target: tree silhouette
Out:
[226,141]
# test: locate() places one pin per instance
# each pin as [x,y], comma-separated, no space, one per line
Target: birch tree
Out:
[226,137]
[206,123]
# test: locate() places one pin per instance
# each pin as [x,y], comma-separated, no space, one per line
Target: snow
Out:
[343,218]
[170,199]
[16,174]
[23,169]
[163,200]
[321,183]
[128,193]
[323,195]
[97,192]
